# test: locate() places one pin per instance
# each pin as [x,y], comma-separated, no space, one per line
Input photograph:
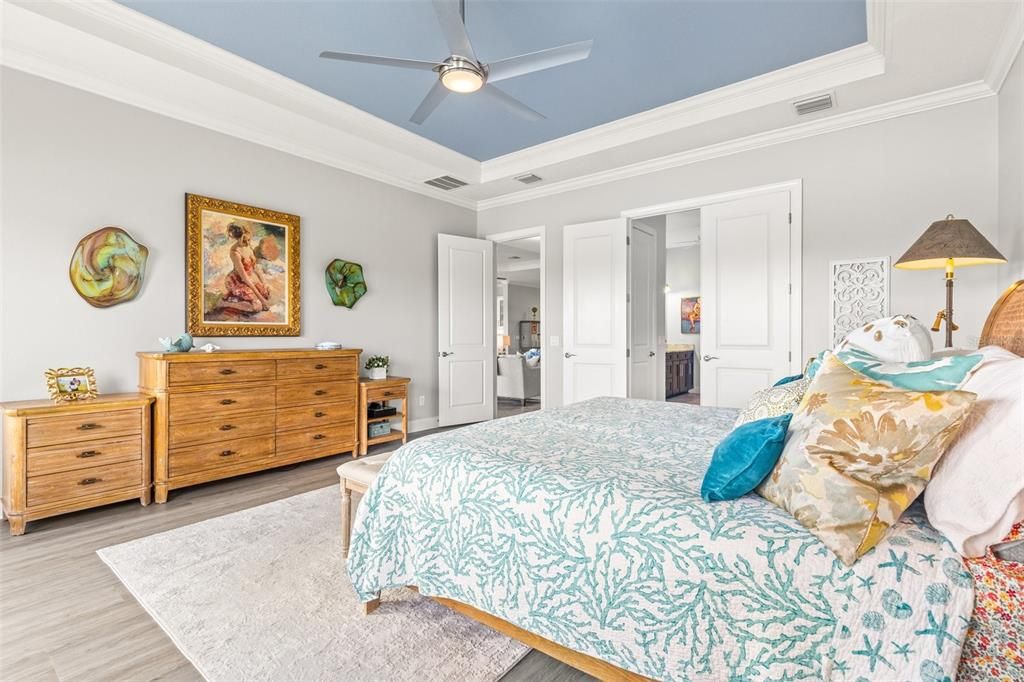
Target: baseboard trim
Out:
[425,424]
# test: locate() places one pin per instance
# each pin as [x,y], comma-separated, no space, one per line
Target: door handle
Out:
[445,353]
[709,358]
[651,354]
[569,355]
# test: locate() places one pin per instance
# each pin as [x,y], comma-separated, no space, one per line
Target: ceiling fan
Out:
[463,73]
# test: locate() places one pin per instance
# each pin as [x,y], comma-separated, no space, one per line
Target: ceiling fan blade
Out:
[429,103]
[453,26]
[538,61]
[383,61]
[512,103]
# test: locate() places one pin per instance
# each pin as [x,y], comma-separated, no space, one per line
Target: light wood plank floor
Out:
[64,616]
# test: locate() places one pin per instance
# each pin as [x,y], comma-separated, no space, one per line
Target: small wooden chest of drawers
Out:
[234,412]
[69,456]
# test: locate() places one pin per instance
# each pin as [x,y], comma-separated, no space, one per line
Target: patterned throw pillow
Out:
[774,401]
[898,338]
[858,454]
[945,373]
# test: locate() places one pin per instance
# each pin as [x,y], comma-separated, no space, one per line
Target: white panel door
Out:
[643,341]
[465,329]
[745,301]
[594,310]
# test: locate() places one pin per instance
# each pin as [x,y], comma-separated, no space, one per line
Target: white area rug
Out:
[262,594]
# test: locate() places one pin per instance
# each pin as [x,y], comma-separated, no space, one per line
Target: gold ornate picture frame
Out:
[67,384]
[241,269]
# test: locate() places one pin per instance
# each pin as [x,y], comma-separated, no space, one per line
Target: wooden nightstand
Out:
[383,390]
[64,457]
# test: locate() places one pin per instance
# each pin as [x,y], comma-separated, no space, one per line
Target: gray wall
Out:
[520,300]
[1011,174]
[73,162]
[868,191]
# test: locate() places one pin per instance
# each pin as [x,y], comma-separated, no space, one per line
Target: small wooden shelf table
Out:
[383,390]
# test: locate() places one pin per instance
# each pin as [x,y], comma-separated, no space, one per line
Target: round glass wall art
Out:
[345,282]
[108,267]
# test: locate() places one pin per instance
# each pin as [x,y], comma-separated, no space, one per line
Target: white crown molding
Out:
[812,76]
[1007,48]
[821,126]
[110,50]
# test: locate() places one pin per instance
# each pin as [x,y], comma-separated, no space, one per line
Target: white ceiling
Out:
[919,55]
[518,261]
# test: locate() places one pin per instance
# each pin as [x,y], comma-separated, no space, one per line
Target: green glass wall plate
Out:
[345,282]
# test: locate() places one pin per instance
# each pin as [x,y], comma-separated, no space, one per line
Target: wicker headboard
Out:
[1005,324]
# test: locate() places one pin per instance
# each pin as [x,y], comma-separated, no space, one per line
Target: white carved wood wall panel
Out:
[859,294]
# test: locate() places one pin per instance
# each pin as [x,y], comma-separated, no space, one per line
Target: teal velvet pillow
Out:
[788,380]
[744,458]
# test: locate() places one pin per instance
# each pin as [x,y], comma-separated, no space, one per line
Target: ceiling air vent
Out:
[446,182]
[814,104]
[529,178]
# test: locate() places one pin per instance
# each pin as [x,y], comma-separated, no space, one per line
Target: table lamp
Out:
[949,244]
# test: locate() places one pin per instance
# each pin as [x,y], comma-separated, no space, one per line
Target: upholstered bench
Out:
[357,476]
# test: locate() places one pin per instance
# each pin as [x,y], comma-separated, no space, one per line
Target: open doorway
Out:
[665,307]
[519,272]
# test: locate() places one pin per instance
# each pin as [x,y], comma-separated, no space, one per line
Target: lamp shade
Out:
[952,238]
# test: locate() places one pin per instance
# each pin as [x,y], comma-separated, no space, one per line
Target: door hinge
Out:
[627,240]
[627,352]
[791,356]
[790,289]
[627,297]
[790,218]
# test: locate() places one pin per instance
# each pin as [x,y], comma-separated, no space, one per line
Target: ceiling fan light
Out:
[462,80]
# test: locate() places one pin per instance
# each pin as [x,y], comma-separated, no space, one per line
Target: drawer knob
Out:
[227,453]
[227,401]
[319,414]
[88,426]
[321,366]
[89,481]
[227,371]
[388,393]
[319,391]
[88,453]
[226,427]
[319,436]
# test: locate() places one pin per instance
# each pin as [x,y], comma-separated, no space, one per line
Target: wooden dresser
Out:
[62,457]
[227,413]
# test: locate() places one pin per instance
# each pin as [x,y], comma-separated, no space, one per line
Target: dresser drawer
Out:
[322,391]
[313,367]
[187,460]
[67,485]
[377,394]
[316,416]
[328,439]
[212,404]
[88,426]
[182,373]
[219,427]
[84,455]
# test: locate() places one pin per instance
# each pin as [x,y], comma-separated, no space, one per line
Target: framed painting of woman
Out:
[242,269]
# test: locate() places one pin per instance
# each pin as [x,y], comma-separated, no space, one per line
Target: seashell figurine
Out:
[209,347]
[108,267]
[182,344]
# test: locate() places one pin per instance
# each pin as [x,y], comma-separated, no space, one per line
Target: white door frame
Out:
[511,236]
[796,228]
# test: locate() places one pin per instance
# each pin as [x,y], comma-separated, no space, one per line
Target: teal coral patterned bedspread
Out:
[584,525]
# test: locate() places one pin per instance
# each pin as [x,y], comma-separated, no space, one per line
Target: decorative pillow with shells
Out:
[897,338]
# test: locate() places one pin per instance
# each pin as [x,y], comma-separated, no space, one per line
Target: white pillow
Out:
[977,489]
[898,338]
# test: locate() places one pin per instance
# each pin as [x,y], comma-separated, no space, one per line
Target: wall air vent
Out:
[814,104]
[529,178]
[446,182]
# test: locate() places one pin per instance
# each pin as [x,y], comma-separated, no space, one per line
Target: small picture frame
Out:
[67,384]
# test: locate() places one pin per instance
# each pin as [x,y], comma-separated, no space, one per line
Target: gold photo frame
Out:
[241,269]
[67,384]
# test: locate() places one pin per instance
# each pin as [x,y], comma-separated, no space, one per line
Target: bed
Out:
[580,530]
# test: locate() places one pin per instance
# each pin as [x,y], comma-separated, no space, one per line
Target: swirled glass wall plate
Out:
[108,267]
[345,282]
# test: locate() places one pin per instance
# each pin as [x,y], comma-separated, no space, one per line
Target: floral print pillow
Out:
[858,453]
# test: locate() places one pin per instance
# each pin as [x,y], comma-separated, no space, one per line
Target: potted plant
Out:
[377,366]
